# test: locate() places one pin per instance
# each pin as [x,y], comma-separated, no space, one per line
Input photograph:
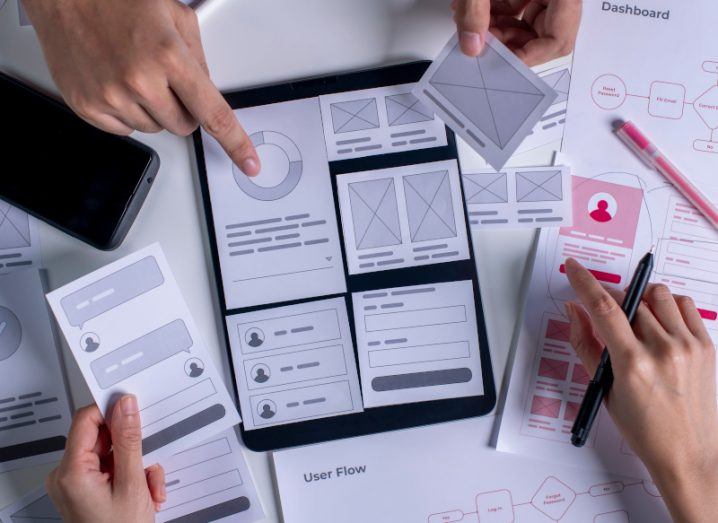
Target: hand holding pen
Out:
[663,397]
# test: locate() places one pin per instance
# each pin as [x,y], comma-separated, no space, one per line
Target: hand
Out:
[535,30]
[101,478]
[136,65]
[663,397]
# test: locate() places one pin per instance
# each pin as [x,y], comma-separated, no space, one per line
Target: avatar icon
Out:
[600,213]
[254,337]
[194,367]
[267,409]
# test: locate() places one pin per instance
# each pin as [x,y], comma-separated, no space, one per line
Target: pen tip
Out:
[653,248]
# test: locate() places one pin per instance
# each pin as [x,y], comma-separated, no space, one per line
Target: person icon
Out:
[600,213]
[90,342]
[267,409]
[260,375]
[254,338]
[194,367]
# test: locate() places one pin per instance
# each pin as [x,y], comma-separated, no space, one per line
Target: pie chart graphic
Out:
[281,167]
[10,333]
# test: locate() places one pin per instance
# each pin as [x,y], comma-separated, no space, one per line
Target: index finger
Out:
[202,99]
[84,432]
[608,319]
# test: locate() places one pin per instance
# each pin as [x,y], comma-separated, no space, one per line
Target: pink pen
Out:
[653,158]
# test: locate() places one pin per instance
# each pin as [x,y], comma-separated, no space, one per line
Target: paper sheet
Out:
[492,101]
[378,121]
[130,329]
[294,363]
[19,239]
[418,343]
[403,217]
[35,412]
[667,84]
[619,213]
[446,473]
[210,482]
[520,197]
[277,233]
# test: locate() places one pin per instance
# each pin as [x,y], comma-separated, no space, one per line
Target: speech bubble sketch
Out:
[142,353]
[112,291]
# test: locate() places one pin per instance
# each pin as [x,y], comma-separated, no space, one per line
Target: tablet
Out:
[345,271]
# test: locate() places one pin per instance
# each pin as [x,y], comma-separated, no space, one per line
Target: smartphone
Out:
[58,168]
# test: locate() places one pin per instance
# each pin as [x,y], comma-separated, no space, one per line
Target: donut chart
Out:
[291,170]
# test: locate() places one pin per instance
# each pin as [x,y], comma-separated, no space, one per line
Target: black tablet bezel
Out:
[377,419]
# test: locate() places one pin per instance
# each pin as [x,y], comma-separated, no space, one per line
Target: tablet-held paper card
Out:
[492,101]
[131,332]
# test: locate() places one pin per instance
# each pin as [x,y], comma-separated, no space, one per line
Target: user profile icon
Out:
[194,367]
[254,337]
[260,373]
[266,409]
[602,207]
[90,342]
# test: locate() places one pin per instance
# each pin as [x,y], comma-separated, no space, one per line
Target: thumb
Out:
[126,433]
[472,22]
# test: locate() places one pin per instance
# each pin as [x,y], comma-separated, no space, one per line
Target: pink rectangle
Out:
[553,369]
[548,407]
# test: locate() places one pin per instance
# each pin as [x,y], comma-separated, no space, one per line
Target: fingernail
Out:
[128,404]
[250,167]
[569,309]
[471,43]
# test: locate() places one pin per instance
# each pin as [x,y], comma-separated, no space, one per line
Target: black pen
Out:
[601,383]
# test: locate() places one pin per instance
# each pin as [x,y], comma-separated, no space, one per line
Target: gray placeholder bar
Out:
[182,428]
[417,380]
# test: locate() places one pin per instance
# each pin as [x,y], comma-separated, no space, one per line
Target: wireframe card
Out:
[520,197]
[294,363]
[130,331]
[34,408]
[492,101]
[403,217]
[19,239]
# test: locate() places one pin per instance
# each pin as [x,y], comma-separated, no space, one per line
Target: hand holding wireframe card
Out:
[131,332]
[491,101]
[34,408]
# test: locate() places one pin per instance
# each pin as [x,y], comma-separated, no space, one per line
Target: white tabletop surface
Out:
[250,43]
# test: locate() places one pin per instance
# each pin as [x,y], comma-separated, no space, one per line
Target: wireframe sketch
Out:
[406,108]
[142,353]
[40,510]
[354,115]
[289,169]
[492,101]
[539,186]
[10,333]
[375,213]
[429,206]
[112,291]
[14,227]
[559,81]
[486,188]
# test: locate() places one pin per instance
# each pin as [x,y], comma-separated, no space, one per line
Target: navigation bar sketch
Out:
[521,197]
[294,363]
[129,328]
[403,217]
[418,343]
[378,121]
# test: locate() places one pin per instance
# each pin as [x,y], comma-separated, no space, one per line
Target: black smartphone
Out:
[58,168]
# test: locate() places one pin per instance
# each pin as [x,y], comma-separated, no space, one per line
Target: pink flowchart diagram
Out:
[667,100]
[555,500]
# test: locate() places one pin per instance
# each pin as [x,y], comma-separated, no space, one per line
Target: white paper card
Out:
[403,217]
[276,233]
[131,332]
[34,408]
[294,363]
[519,197]
[378,121]
[447,473]
[492,101]
[19,239]
[418,343]
[210,482]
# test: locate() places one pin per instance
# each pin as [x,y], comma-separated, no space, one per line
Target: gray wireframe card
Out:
[491,101]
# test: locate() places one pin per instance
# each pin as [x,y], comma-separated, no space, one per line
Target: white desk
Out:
[249,43]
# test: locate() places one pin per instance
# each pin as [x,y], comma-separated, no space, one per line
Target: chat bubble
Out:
[141,354]
[112,291]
